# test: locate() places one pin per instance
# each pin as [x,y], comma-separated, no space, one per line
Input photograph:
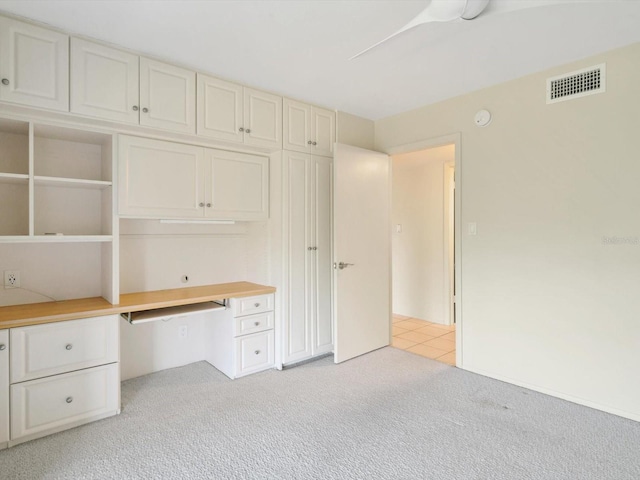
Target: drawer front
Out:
[251,305]
[43,350]
[53,402]
[254,323]
[254,353]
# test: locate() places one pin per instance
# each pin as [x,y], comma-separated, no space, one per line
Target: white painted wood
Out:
[237,186]
[220,109]
[323,127]
[254,323]
[4,388]
[220,343]
[53,348]
[168,93]
[262,119]
[35,61]
[297,126]
[254,353]
[44,405]
[252,305]
[160,179]
[362,209]
[104,82]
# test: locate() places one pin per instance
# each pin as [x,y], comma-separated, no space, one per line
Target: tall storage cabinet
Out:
[4,388]
[307,320]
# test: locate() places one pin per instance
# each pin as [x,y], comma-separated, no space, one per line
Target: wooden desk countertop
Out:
[48,312]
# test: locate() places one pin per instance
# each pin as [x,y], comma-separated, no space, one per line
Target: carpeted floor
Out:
[387,415]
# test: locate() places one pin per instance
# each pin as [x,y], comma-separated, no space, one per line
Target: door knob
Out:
[343,265]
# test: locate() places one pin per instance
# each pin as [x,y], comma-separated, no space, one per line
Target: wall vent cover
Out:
[580,83]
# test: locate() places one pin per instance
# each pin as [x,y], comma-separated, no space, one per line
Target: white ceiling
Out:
[301,48]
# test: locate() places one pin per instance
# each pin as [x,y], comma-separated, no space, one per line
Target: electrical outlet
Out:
[11,279]
[182,331]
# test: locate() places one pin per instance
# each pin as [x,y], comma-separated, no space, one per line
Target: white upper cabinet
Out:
[228,111]
[167,96]
[308,129]
[34,65]
[104,82]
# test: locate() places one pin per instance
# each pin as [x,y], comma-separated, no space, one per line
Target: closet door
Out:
[262,119]
[104,82]
[297,293]
[220,109]
[167,96]
[34,65]
[323,124]
[322,255]
[297,126]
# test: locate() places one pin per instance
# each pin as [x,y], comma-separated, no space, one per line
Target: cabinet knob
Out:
[257,352]
[69,399]
[248,130]
[255,323]
[309,248]
[3,346]
[314,143]
[201,204]
[69,346]
[145,110]
[309,142]
[208,205]
[135,108]
[315,248]
[256,305]
[241,129]
[5,81]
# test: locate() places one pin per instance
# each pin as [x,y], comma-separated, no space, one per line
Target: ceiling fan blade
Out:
[436,11]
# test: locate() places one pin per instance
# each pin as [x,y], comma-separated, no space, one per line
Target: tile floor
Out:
[430,340]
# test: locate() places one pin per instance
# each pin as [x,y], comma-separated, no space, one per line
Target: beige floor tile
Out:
[431,331]
[449,358]
[400,317]
[408,325]
[426,351]
[402,343]
[441,344]
[448,328]
[395,330]
[415,337]
[449,336]
[424,323]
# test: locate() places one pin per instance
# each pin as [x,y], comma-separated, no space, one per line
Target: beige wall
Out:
[547,302]
[354,130]
[418,251]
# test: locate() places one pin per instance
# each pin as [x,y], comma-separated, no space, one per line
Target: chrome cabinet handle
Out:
[256,323]
[314,144]
[315,248]
[309,248]
[201,204]
[256,305]
[257,352]
[248,130]
[69,399]
[208,205]
[5,81]
[2,346]
[241,129]
[135,108]
[145,110]
[309,142]
[69,346]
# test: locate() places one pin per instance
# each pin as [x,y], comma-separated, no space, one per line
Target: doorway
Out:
[423,252]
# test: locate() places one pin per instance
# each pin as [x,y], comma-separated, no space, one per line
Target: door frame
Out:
[456,140]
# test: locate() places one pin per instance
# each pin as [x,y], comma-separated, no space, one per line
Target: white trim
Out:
[448,229]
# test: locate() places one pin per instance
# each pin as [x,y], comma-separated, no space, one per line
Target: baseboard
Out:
[308,360]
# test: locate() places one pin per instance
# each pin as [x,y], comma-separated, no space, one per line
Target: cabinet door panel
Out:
[296,126]
[160,179]
[35,61]
[324,131]
[238,186]
[219,109]
[104,82]
[263,117]
[4,387]
[168,93]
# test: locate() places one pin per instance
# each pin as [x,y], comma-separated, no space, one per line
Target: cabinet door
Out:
[4,387]
[324,131]
[160,179]
[104,82]
[237,186]
[322,255]
[297,126]
[298,243]
[262,119]
[34,65]
[219,109]
[167,96]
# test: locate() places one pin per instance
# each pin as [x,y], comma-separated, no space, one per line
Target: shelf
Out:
[167,313]
[70,182]
[14,178]
[55,238]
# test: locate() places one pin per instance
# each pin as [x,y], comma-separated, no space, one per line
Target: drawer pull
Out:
[255,323]
[3,346]
[69,346]
[257,352]
[256,305]
[69,399]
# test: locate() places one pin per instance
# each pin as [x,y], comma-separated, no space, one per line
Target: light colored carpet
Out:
[387,415]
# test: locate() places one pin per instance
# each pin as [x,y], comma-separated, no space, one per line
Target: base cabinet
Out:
[4,388]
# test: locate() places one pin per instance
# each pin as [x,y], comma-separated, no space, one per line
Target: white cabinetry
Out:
[228,111]
[169,180]
[307,318]
[241,341]
[4,388]
[308,129]
[34,65]
[63,375]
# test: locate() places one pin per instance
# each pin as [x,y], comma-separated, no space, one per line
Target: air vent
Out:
[580,83]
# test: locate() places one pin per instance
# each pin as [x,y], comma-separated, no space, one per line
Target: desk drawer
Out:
[73,398]
[250,305]
[254,323]
[254,353]
[43,350]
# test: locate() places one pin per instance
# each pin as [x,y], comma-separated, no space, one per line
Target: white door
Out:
[4,386]
[296,126]
[323,124]
[167,96]
[104,82]
[220,109]
[160,179]
[34,65]
[362,239]
[262,119]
